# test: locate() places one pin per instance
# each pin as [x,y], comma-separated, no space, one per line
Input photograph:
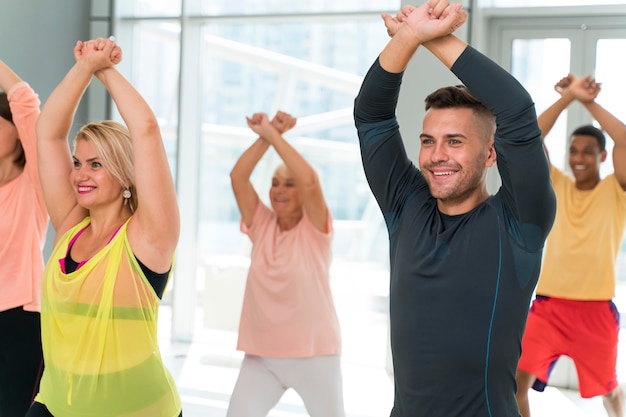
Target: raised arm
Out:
[526,188]
[549,116]
[306,178]
[570,88]
[617,131]
[387,167]
[24,105]
[53,128]
[8,78]
[245,194]
[153,231]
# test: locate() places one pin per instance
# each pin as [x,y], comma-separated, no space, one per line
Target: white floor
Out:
[206,369]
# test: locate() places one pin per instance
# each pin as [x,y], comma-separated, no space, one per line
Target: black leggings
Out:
[40,410]
[21,360]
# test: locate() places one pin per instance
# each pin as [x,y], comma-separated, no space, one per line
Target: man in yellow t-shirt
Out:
[573,313]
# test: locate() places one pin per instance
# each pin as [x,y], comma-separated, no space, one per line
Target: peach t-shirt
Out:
[23,215]
[288,308]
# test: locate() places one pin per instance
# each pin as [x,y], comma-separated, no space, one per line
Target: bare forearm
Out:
[249,160]
[609,123]
[398,52]
[8,78]
[298,166]
[447,49]
[549,116]
[617,131]
[135,111]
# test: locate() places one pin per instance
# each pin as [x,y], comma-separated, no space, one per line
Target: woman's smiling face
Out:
[93,184]
[284,194]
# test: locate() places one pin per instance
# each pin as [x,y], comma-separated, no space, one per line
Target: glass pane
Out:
[610,72]
[255,7]
[154,70]
[148,8]
[311,70]
[612,79]
[538,64]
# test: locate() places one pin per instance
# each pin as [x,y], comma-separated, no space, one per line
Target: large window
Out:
[150,60]
[310,70]
[203,67]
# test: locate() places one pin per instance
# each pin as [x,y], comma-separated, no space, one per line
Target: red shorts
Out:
[586,331]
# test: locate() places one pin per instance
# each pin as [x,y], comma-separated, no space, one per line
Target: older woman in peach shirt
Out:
[289,329]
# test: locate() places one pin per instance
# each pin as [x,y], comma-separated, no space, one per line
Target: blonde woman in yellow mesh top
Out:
[113,207]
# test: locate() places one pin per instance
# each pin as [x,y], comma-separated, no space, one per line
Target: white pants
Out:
[262,382]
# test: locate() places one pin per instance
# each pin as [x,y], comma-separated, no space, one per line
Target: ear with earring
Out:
[126,194]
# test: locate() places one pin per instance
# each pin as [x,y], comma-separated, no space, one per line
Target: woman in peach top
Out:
[23,224]
[289,329]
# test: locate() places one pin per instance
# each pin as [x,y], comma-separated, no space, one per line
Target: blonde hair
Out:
[115,150]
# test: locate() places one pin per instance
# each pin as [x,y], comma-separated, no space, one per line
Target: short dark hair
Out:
[459,96]
[589,130]
[5,113]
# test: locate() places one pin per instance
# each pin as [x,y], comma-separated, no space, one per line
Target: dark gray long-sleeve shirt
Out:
[460,285]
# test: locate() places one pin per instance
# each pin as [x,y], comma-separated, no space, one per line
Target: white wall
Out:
[37,37]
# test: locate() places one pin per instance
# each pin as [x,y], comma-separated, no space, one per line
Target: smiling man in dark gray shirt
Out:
[464,263]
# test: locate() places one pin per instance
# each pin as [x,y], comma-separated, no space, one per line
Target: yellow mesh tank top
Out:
[99,336]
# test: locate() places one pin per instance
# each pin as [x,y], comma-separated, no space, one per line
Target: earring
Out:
[126,194]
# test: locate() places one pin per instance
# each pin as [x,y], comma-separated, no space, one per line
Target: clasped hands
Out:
[98,53]
[584,89]
[431,20]
[261,125]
